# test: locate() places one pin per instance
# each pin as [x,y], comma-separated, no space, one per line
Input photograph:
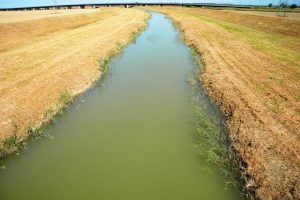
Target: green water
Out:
[131,138]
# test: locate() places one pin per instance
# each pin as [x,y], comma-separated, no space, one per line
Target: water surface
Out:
[128,139]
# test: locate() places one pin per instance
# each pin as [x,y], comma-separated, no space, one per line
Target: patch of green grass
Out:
[276,79]
[49,113]
[104,65]
[134,36]
[10,144]
[281,47]
[209,139]
[65,99]
[275,106]
[297,97]
[213,147]
[212,143]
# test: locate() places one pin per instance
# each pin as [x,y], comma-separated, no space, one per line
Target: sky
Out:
[25,3]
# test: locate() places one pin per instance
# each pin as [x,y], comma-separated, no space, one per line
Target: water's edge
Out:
[236,165]
[37,131]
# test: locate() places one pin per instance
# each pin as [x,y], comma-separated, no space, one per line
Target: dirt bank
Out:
[252,71]
[45,62]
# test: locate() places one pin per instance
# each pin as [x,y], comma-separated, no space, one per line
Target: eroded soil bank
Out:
[252,71]
[46,60]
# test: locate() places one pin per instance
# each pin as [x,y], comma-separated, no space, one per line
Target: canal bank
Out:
[256,88]
[52,60]
[131,137]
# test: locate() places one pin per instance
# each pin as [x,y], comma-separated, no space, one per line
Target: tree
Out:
[293,6]
[270,5]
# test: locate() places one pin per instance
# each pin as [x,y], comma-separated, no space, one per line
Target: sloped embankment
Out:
[45,62]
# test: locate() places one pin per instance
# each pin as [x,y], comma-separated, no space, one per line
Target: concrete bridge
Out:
[126,5]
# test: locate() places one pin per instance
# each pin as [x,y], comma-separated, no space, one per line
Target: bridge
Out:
[126,5]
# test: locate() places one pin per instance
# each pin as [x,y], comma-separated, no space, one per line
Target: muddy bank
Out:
[57,61]
[256,93]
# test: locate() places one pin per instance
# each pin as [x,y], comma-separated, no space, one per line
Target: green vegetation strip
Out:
[279,46]
[212,143]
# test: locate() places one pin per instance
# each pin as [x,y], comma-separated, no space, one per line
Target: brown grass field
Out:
[252,71]
[19,16]
[290,15]
[45,60]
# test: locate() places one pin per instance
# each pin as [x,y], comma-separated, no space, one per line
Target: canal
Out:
[130,137]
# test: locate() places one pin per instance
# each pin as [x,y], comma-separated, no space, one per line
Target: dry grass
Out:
[18,34]
[290,15]
[252,70]
[45,62]
[281,25]
[19,16]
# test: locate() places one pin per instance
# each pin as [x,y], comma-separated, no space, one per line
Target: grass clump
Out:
[65,99]
[213,147]
[212,144]
[49,113]
[104,65]
[10,144]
